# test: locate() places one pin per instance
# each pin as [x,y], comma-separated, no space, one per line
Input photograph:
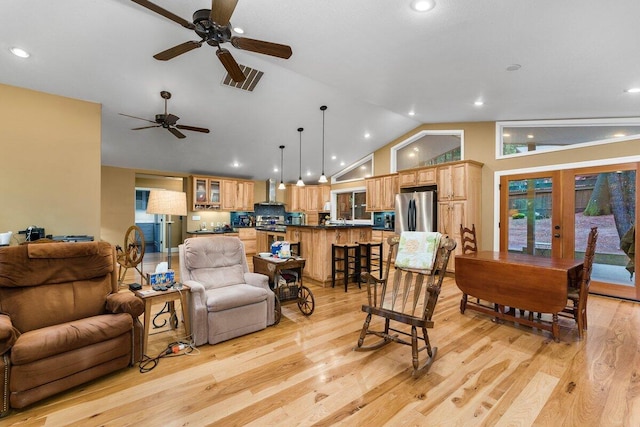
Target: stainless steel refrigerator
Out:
[416,211]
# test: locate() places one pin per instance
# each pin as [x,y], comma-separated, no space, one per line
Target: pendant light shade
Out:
[281,186]
[300,182]
[323,177]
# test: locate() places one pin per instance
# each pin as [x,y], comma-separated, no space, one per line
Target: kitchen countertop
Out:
[211,231]
[332,226]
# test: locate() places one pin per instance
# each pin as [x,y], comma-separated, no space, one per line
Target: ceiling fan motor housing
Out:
[211,32]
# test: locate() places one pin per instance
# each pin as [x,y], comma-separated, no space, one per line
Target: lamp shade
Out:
[166,202]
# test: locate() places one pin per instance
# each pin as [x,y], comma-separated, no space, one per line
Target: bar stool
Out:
[371,257]
[345,259]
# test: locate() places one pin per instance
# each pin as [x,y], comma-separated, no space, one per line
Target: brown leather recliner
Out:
[62,320]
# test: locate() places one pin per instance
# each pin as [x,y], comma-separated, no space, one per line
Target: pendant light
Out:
[281,186]
[323,177]
[300,182]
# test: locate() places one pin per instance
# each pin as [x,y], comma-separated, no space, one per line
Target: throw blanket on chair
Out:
[417,250]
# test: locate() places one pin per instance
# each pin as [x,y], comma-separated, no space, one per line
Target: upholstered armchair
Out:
[226,299]
[62,320]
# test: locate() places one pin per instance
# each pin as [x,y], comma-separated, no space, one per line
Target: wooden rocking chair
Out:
[409,300]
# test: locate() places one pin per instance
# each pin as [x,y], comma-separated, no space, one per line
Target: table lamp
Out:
[166,202]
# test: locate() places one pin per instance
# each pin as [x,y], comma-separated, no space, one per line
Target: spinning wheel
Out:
[132,254]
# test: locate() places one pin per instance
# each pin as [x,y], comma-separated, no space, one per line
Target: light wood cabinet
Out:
[237,195]
[459,191]
[310,198]
[417,177]
[205,193]
[381,192]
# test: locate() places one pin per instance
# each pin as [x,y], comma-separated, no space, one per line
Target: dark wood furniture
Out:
[274,268]
[527,282]
[345,259]
[408,300]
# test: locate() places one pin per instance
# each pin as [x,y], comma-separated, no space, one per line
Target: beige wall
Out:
[50,174]
[479,145]
[117,200]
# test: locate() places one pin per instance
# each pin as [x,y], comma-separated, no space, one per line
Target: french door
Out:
[551,214]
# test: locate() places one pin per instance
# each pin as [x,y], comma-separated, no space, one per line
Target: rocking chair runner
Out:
[409,300]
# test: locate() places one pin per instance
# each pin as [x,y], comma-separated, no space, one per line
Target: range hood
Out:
[271,194]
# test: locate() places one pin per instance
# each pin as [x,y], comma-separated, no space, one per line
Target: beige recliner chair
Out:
[226,299]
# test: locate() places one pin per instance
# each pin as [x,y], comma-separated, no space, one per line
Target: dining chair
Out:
[468,239]
[577,297]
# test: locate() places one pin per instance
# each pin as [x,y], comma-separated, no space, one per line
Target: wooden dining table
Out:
[515,283]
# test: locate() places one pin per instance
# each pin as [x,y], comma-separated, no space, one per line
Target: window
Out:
[351,206]
[357,171]
[531,137]
[428,147]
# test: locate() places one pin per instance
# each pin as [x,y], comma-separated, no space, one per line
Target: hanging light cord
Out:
[323,108]
[300,171]
[281,162]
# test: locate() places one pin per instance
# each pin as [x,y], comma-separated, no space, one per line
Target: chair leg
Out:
[363,332]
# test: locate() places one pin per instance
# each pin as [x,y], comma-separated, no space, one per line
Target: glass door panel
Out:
[532,223]
[607,200]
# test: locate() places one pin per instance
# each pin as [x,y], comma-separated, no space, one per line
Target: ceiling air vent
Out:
[253,77]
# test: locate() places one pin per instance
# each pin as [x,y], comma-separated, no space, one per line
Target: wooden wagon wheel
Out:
[306,302]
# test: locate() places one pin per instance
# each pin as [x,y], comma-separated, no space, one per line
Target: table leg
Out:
[184,303]
[147,320]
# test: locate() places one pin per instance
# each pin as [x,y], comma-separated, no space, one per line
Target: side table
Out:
[150,297]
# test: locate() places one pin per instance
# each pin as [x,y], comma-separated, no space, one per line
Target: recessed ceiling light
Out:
[423,5]
[236,164]
[619,135]
[333,157]
[514,67]
[478,103]
[275,169]
[530,136]
[367,135]
[633,90]
[238,30]
[341,163]
[506,135]
[308,173]
[412,113]
[19,52]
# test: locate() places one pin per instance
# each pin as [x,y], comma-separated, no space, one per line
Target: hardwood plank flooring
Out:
[304,372]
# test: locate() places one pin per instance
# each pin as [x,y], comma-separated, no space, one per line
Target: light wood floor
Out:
[304,372]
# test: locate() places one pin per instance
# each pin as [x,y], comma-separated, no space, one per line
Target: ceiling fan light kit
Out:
[300,182]
[323,177]
[214,28]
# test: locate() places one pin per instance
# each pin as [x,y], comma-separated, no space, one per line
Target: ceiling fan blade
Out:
[139,118]
[177,133]
[157,9]
[259,46]
[221,11]
[230,65]
[177,50]
[192,128]
[147,127]
[171,119]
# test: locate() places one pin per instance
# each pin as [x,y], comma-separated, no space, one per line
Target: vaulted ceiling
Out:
[372,62]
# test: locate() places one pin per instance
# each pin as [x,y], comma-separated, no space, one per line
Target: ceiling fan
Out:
[167,121]
[214,28]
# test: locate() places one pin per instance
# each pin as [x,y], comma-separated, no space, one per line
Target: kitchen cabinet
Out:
[417,177]
[381,192]
[205,193]
[249,238]
[221,193]
[310,198]
[459,191]
[237,195]
[382,236]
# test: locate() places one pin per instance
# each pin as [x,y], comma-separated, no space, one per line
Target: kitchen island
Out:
[315,245]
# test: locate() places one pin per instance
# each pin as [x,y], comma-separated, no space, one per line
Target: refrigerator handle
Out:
[411,215]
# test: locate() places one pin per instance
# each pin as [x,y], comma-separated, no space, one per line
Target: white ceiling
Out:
[369,61]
